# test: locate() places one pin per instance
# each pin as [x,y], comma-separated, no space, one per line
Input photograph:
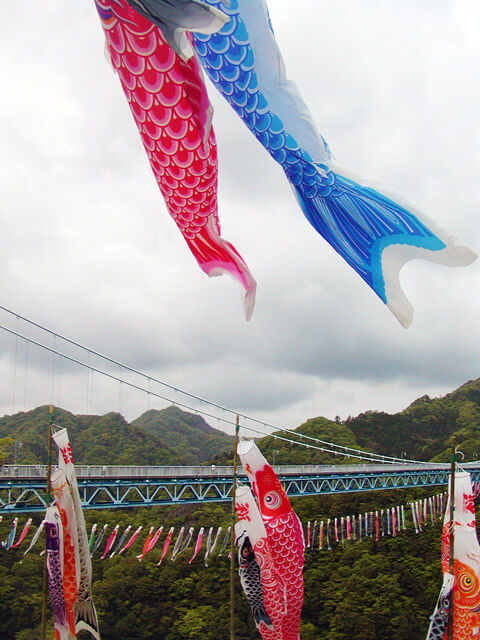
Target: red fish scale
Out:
[285,539]
[170,107]
[69,571]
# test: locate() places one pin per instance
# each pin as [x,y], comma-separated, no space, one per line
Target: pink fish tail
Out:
[217,256]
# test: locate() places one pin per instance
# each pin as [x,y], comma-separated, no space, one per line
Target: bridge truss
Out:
[29,494]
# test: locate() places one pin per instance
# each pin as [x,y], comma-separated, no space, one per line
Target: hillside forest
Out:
[359,590]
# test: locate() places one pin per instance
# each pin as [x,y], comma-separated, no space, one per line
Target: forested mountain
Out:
[187,434]
[171,436]
[422,431]
[424,428]
[106,439]
[168,437]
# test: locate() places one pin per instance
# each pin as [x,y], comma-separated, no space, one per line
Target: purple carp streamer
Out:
[54,545]
[71,557]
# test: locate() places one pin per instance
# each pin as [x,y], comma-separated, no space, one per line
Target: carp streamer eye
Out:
[466,584]
[272,500]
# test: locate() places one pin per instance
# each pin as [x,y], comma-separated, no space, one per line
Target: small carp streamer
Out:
[146,545]
[23,534]
[280,552]
[185,544]
[34,540]
[121,542]
[131,541]
[8,543]
[170,106]
[110,542]
[166,545]
[98,541]
[198,545]
[375,233]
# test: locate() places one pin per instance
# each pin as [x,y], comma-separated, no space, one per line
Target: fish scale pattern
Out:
[466,602]
[69,570]
[251,581]
[171,109]
[285,539]
[356,220]
[55,578]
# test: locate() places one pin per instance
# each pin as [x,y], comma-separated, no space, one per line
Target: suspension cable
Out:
[331,448]
[342,449]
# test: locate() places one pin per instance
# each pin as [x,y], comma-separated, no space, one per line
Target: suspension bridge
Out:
[23,488]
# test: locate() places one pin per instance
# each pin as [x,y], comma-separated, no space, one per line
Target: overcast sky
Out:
[88,249]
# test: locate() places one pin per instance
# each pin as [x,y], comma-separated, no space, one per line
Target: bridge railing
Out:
[204,471]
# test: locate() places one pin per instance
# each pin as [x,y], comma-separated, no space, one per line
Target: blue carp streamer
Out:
[374,232]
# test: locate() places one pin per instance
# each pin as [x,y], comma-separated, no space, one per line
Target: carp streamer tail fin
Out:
[375,233]
[217,256]
[86,618]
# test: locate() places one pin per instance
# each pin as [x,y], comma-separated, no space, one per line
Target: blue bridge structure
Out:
[23,487]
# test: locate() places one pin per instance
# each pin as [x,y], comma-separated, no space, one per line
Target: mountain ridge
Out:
[172,436]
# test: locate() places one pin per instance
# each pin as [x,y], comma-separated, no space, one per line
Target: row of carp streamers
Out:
[320,534]
[373,524]
[156,48]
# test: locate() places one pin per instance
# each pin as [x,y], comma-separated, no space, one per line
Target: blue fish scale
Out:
[357,221]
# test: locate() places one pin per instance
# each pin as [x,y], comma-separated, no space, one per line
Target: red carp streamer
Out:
[170,106]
